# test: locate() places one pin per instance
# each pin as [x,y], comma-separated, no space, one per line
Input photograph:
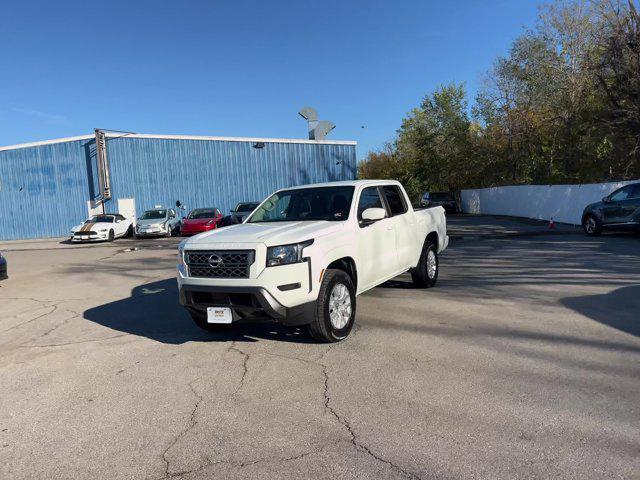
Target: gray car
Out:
[158,222]
[618,211]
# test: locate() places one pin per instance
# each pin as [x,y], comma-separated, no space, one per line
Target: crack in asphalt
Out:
[279,460]
[64,322]
[342,420]
[354,439]
[41,304]
[191,424]
[245,362]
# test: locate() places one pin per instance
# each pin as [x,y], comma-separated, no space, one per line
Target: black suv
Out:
[618,211]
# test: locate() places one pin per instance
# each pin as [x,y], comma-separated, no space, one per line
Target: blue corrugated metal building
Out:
[47,187]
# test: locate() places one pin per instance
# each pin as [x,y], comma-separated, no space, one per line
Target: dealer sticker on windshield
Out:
[219,315]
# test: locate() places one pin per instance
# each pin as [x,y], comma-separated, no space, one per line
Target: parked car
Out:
[619,210]
[440,199]
[305,253]
[200,220]
[238,214]
[242,211]
[3,267]
[107,226]
[158,222]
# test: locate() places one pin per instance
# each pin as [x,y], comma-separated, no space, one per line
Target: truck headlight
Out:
[181,261]
[286,254]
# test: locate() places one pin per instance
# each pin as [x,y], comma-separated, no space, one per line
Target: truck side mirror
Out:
[371,215]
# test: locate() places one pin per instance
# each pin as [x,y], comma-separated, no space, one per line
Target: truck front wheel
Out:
[335,311]
[425,275]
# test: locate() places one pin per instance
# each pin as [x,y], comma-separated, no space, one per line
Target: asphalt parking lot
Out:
[523,362]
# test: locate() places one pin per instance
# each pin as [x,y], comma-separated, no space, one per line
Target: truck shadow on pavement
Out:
[153,311]
[619,309]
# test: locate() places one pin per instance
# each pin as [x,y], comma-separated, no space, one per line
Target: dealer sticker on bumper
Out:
[219,315]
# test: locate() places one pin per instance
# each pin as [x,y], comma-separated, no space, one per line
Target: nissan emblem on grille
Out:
[220,263]
[215,260]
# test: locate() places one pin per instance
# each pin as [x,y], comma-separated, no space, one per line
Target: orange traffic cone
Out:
[552,224]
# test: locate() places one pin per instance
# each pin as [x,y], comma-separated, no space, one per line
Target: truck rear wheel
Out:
[425,275]
[200,319]
[335,308]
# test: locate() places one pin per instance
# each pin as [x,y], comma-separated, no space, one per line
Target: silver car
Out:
[159,222]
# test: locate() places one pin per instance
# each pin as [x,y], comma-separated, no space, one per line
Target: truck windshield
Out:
[305,204]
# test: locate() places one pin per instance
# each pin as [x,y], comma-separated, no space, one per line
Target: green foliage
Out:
[563,106]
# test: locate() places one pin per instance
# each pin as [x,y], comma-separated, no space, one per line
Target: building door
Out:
[127,208]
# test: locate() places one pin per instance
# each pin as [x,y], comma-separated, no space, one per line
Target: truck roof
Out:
[345,183]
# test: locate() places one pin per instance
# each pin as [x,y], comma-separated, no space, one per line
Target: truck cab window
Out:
[394,199]
[369,198]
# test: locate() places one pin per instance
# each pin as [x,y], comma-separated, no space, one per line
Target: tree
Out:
[617,69]
[563,106]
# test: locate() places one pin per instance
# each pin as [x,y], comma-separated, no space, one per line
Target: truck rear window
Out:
[395,199]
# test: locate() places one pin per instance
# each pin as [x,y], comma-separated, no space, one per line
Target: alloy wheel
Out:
[339,306]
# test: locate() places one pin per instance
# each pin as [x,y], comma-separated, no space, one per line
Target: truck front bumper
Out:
[246,303]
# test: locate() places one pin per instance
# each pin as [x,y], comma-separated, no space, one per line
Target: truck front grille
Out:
[220,263]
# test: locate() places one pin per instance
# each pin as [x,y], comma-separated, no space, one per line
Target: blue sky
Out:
[240,68]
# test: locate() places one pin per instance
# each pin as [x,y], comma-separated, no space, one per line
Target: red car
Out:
[201,220]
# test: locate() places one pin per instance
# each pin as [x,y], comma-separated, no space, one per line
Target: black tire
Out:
[129,233]
[421,275]
[200,319]
[591,225]
[112,236]
[321,328]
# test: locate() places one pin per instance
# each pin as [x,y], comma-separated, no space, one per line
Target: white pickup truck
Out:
[305,253]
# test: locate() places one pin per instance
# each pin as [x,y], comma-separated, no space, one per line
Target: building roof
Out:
[182,137]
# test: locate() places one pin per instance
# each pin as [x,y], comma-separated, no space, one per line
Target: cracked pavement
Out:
[524,362]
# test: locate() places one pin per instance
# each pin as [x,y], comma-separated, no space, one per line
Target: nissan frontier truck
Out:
[305,253]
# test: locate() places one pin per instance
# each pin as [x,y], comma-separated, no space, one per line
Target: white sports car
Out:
[108,226]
